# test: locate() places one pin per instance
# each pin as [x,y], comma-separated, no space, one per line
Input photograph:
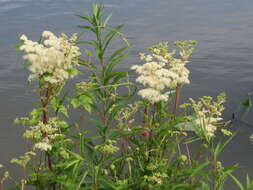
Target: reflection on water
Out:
[222,61]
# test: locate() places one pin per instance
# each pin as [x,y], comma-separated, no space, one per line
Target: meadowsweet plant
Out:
[51,62]
[121,141]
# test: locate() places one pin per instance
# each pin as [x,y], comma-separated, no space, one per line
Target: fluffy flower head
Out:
[52,59]
[162,70]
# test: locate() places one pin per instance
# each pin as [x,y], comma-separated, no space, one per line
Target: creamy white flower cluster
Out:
[161,70]
[207,115]
[44,134]
[53,58]
[207,125]
[154,76]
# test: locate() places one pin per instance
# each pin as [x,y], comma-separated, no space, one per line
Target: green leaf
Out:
[88,107]
[73,71]
[84,18]
[77,156]
[18,47]
[199,168]
[35,113]
[221,146]
[85,99]
[75,103]
[82,180]
[86,63]
[115,133]
[117,52]
[99,126]
[110,35]
[86,102]
[107,183]
[87,28]
[91,151]
[63,110]
[107,20]
[115,75]
[72,163]
[247,103]
[181,187]
[113,62]
[248,182]
[237,182]
[119,77]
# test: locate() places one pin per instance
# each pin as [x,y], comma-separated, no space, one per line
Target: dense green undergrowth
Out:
[142,140]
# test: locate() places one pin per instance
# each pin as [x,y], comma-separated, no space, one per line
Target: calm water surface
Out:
[222,61]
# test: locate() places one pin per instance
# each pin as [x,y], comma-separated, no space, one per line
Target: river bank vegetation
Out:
[145,139]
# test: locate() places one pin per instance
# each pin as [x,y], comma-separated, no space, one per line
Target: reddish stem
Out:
[145,114]
[45,121]
[177,99]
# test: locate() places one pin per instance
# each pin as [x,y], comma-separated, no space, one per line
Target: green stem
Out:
[188,154]
[215,173]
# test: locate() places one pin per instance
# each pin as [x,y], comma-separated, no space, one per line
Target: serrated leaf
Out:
[63,110]
[75,103]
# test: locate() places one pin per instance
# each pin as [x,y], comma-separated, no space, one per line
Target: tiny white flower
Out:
[43,146]
[23,37]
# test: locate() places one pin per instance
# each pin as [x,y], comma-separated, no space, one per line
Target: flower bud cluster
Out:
[156,178]
[125,116]
[23,160]
[108,147]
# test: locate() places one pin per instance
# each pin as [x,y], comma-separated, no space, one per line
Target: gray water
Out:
[222,61]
